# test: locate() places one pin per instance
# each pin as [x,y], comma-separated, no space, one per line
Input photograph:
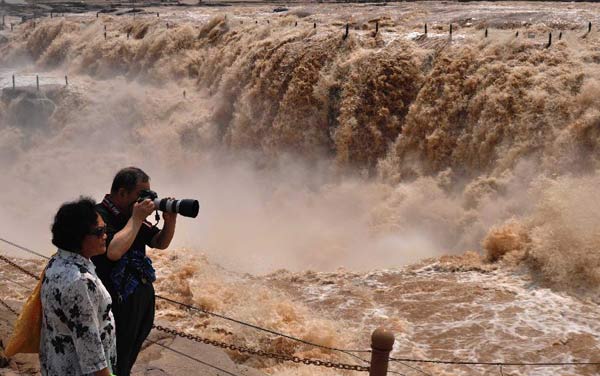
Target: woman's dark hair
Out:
[73,222]
[128,178]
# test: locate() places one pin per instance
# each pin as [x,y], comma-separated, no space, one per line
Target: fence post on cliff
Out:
[425,29]
[347,31]
[37,82]
[589,27]
[450,30]
[376,28]
[382,342]
[314,25]
[486,32]
[549,41]
[13,77]
[560,36]
[66,81]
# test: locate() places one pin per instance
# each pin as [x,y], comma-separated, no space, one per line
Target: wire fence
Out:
[289,358]
[223,345]
[198,309]
[446,30]
[460,362]
[26,81]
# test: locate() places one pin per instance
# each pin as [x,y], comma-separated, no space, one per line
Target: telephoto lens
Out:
[186,207]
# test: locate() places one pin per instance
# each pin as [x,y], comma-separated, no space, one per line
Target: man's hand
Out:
[168,217]
[164,237]
[141,210]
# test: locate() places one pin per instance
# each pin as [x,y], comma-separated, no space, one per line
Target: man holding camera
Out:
[125,269]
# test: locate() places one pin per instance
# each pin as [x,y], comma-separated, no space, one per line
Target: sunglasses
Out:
[98,231]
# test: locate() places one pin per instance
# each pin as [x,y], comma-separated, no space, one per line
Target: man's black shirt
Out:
[122,277]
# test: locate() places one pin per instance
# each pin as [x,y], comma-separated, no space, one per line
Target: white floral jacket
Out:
[78,328]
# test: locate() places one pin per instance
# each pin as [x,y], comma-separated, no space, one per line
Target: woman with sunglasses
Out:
[78,328]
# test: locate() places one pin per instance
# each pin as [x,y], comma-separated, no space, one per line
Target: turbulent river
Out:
[443,185]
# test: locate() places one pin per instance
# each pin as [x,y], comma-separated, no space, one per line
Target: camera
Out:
[186,207]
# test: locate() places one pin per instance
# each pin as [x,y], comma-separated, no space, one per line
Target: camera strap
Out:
[156,218]
[108,204]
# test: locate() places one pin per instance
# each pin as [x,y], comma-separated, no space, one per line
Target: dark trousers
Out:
[134,318]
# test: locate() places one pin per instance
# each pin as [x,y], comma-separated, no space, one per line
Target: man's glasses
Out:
[98,231]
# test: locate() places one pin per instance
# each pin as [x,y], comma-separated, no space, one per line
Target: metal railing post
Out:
[382,342]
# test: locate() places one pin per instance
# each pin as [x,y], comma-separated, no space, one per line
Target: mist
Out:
[305,152]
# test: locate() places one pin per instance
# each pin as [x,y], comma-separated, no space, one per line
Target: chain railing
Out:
[202,310]
[348,352]
[228,346]
[11,309]
[460,362]
[13,264]
[382,344]
[262,353]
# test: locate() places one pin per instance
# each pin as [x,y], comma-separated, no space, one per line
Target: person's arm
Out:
[123,239]
[163,239]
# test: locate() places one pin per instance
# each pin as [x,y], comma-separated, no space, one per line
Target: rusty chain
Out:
[8,261]
[229,346]
[262,353]
[9,307]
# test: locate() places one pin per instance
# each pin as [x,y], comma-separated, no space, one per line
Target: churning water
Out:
[310,152]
